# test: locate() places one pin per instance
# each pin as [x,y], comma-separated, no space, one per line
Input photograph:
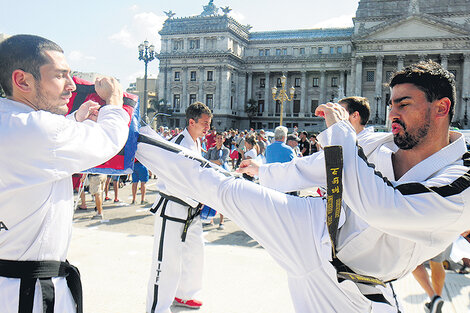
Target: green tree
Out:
[251,109]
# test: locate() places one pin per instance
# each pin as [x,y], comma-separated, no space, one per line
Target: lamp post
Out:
[465,118]
[282,95]
[146,54]
[377,100]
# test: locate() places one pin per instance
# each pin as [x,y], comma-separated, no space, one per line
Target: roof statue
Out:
[209,9]
[169,14]
[414,7]
[226,10]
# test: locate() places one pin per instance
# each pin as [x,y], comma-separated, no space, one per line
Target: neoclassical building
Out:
[214,59]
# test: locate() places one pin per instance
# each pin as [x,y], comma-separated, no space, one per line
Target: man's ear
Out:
[22,81]
[442,107]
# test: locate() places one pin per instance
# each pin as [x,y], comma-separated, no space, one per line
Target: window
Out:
[297,82]
[284,51]
[314,105]
[332,50]
[278,82]
[370,76]
[178,44]
[262,82]
[231,102]
[211,43]
[296,108]
[334,81]
[302,50]
[270,125]
[278,106]
[210,101]
[193,44]
[261,52]
[339,50]
[176,101]
[320,50]
[210,76]
[260,107]
[177,76]
[278,51]
[192,98]
[266,52]
[315,82]
[193,76]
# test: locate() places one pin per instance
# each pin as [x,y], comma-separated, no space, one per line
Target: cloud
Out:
[143,26]
[339,21]
[78,56]
[238,16]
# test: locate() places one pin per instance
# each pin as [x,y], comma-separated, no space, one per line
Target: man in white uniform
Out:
[41,149]
[178,253]
[394,219]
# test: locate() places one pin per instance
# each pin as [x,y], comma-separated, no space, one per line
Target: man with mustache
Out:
[41,149]
[403,204]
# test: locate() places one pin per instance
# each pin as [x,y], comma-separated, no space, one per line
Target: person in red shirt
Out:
[210,138]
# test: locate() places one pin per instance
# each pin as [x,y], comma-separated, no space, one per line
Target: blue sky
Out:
[102,35]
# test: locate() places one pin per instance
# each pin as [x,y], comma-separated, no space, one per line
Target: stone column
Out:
[226,82]
[201,78]
[184,99]
[358,90]
[267,92]
[378,82]
[249,92]
[465,89]
[162,83]
[351,78]
[444,60]
[218,89]
[169,79]
[341,84]
[401,61]
[241,99]
[303,96]
[322,87]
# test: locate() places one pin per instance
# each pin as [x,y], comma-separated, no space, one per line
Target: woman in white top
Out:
[252,148]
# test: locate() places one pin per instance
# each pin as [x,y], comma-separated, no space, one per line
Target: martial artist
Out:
[392,220]
[41,149]
[178,253]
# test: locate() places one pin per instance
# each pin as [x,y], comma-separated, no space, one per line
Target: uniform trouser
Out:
[9,296]
[291,229]
[177,267]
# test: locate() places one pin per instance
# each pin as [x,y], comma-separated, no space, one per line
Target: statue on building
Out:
[210,9]
[169,14]
[414,7]
[226,10]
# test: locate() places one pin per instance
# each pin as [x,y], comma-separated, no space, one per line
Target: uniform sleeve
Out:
[58,146]
[298,174]
[414,210]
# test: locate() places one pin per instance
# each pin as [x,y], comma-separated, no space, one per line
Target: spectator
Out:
[293,142]
[314,145]
[278,151]
[359,112]
[115,179]
[240,144]
[97,183]
[218,155]
[304,144]
[252,148]
[140,174]
[210,139]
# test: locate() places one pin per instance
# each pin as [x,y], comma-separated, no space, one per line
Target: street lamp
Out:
[465,118]
[282,95]
[146,54]
[377,100]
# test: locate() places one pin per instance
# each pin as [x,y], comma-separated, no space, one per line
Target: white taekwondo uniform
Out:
[390,227]
[177,266]
[39,153]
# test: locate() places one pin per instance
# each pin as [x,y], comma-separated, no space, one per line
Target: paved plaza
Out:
[240,277]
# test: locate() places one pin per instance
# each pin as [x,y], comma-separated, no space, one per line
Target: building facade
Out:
[214,59]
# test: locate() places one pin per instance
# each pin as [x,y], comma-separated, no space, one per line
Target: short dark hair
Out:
[359,104]
[26,53]
[431,78]
[195,111]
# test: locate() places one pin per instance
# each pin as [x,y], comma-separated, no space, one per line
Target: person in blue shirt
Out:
[278,151]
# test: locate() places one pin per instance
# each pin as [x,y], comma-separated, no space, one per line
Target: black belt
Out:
[192,212]
[30,271]
[334,172]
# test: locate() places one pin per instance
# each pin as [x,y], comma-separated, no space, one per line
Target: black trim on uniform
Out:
[179,139]
[452,189]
